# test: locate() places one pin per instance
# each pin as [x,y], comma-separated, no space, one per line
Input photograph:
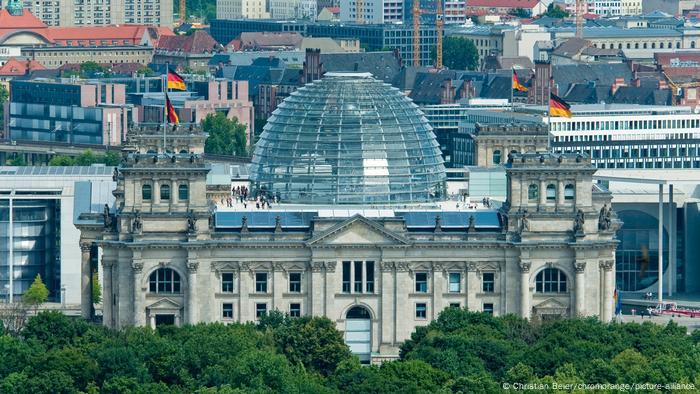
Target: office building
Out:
[372,37]
[372,12]
[45,201]
[75,113]
[378,271]
[69,13]
[248,9]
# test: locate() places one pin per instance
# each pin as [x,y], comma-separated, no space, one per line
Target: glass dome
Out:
[348,139]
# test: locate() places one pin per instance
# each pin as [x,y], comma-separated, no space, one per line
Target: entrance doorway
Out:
[165,320]
[358,333]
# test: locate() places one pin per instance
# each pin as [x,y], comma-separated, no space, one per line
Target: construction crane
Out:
[580,10]
[676,88]
[416,33]
[183,11]
[359,11]
[438,29]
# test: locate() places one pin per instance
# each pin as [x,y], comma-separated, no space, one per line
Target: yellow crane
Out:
[676,87]
[438,30]
[416,32]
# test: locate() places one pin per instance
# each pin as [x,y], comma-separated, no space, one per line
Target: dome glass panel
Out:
[348,139]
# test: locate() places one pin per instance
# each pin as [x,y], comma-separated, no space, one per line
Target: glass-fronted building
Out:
[348,139]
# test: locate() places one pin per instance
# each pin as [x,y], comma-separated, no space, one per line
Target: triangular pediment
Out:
[164,303]
[550,303]
[358,230]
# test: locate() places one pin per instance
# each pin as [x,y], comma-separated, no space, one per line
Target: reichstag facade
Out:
[169,256]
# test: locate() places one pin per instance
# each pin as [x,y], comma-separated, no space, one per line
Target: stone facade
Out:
[493,143]
[546,256]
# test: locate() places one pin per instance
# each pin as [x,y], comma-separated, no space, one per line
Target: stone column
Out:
[438,288]
[107,296]
[387,294]
[245,278]
[525,289]
[580,269]
[472,288]
[85,277]
[316,290]
[191,314]
[524,187]
[403,286]
[139,307]
[560,193]
[331,288]
[543,194]
[280,278]
[607,289]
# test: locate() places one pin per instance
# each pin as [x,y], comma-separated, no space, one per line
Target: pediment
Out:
[550,304]
[358,230]
[164,303]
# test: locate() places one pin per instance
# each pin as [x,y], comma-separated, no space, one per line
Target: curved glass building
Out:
[348,139]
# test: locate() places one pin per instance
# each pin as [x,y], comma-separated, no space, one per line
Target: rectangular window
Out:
[421,310]
[488,282]
[488,308]
[455,282]
[369,279]
[261,282]
[358,276]
[227,282]
[346,276]
[295,282]
[260,310]
[421,282]
[294,310]
[227,311]
[455,305]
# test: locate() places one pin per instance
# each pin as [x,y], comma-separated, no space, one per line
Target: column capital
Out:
[579,266]
[85,246]
[277,266]
[386,266]
[316,266]
[607,265]
[471,267]
[137,266]
[330,266]
[525,266]
[192,266]
[401,266]
[107,262]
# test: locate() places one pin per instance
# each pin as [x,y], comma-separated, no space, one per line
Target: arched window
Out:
[661,45]
[183,192]
[678,45]
[644,45]
[532,192]
[602,46]
[636,45]
[497,157]
[551,192]
[165,192]
[619,46]
[692,44]
[569,192]
[550,280]
[146,192]
[653,45]
[164,280]
[628,45]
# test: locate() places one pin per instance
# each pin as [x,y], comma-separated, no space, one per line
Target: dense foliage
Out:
[459,53]
[554,11]
[4,95]
[86,158]
[460,352]
[225,136]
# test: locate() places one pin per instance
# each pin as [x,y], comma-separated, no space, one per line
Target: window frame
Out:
[292,310]
[173,283]
[418,288]
[421,307]
[295,285]
[261,286]
[186,188]
[551,280]
[164,191]
[224,310]
[258,313]
[533,192]
[488,286]
[147,187]
[450,282]
[486,309]
[225,281]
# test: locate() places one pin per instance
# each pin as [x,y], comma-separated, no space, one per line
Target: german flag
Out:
[558,107]
[516,83]
[175,81]
[172,115]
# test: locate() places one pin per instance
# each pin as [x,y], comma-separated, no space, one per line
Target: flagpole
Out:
[165,103]
[512,94]
[549,115]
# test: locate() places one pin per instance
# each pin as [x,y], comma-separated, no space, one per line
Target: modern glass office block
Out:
[348,139]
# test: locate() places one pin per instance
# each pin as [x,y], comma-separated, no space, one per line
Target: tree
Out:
[37,293]
[520,13]
[459,53]
[60,160]
[96,288]
[554,11]
[90,69]
[226,136]
[3,97]
[18,161]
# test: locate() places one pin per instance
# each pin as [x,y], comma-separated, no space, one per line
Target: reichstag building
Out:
[347,217]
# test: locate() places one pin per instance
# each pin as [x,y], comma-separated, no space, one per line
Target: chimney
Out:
[616,85]
[312,66]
